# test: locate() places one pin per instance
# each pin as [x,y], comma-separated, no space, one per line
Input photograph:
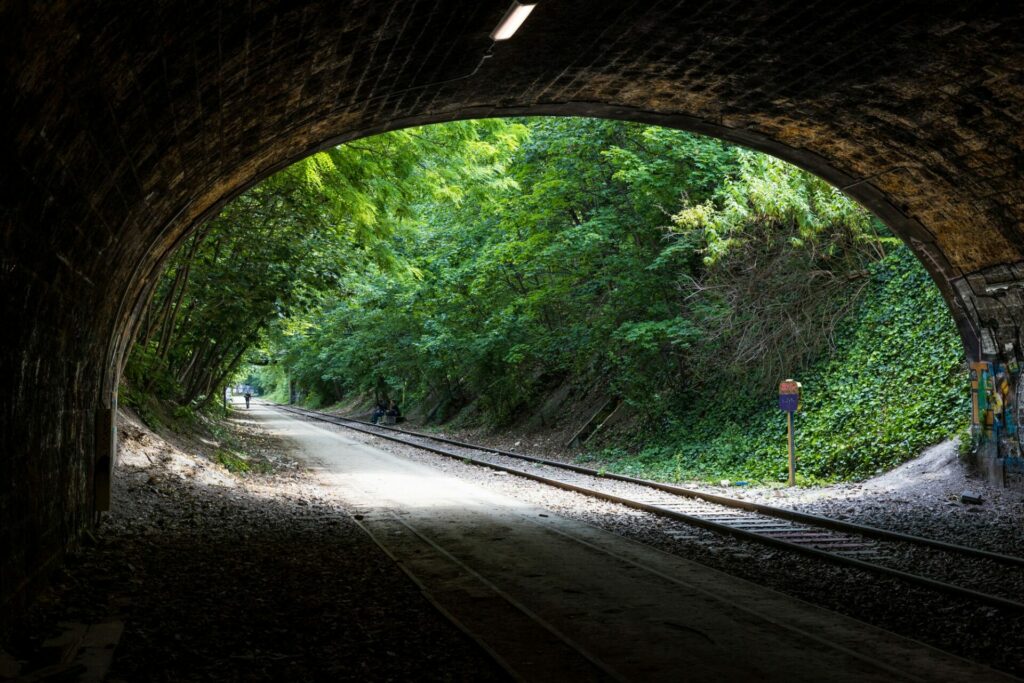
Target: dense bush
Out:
[894,383]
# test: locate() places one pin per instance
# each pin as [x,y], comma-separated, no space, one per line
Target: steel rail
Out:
[948,588]
[781,513]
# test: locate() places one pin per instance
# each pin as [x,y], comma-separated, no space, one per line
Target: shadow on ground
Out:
[220,582]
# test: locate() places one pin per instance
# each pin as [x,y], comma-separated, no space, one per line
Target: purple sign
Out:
[789,402]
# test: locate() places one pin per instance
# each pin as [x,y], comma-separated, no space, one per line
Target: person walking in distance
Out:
[248,395]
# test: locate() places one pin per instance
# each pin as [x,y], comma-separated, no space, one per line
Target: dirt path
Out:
[219,577]
[224,577]
[601,606]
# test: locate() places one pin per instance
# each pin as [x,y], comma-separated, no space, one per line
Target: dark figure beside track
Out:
[379,411]
[394,412]
[248,395]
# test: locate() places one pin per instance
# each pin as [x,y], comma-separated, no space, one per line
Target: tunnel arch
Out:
[921,243]
[129,125]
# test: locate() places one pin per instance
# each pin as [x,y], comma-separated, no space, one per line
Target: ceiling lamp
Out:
[513,19]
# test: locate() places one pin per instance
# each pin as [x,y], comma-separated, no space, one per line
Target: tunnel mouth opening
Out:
[121,146]
[604,404]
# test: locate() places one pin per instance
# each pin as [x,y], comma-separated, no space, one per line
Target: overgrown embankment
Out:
[893,384]
[214,433]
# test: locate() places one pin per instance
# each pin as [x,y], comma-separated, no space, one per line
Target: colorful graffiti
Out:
[996,407]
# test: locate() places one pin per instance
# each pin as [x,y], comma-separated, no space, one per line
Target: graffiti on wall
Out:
[997,409]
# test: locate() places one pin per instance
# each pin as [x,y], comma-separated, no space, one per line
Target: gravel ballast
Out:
[264,577]
[219,577]
[918,502]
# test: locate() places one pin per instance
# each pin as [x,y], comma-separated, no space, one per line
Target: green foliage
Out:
[230,461]
[562,270]
[636,258]
[481,264]
[894,384]
[275,252]
[967,441]
[141,403]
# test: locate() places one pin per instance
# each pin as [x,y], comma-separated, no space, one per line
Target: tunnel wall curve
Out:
[128,125]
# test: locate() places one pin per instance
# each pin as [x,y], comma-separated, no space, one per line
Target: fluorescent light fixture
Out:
[513,19]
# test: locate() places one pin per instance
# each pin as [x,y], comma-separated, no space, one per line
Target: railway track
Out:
[838,542]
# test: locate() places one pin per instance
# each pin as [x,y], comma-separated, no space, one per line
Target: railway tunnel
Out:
[128,126]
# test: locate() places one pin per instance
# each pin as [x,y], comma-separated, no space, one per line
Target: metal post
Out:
[792,453]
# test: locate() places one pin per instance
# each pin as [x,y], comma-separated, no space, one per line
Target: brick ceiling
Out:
[123,124]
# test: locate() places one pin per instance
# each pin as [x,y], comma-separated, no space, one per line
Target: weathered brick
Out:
[125,124]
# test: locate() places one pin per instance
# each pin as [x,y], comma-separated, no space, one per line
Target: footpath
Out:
[555,599]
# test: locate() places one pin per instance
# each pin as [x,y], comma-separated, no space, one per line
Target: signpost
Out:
[789,401]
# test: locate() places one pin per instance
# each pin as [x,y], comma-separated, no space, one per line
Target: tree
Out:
[616,254]
[284,245]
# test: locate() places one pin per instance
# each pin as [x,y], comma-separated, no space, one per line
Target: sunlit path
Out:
[553,597]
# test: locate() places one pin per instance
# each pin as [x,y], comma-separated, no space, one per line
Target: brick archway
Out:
[126,126]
